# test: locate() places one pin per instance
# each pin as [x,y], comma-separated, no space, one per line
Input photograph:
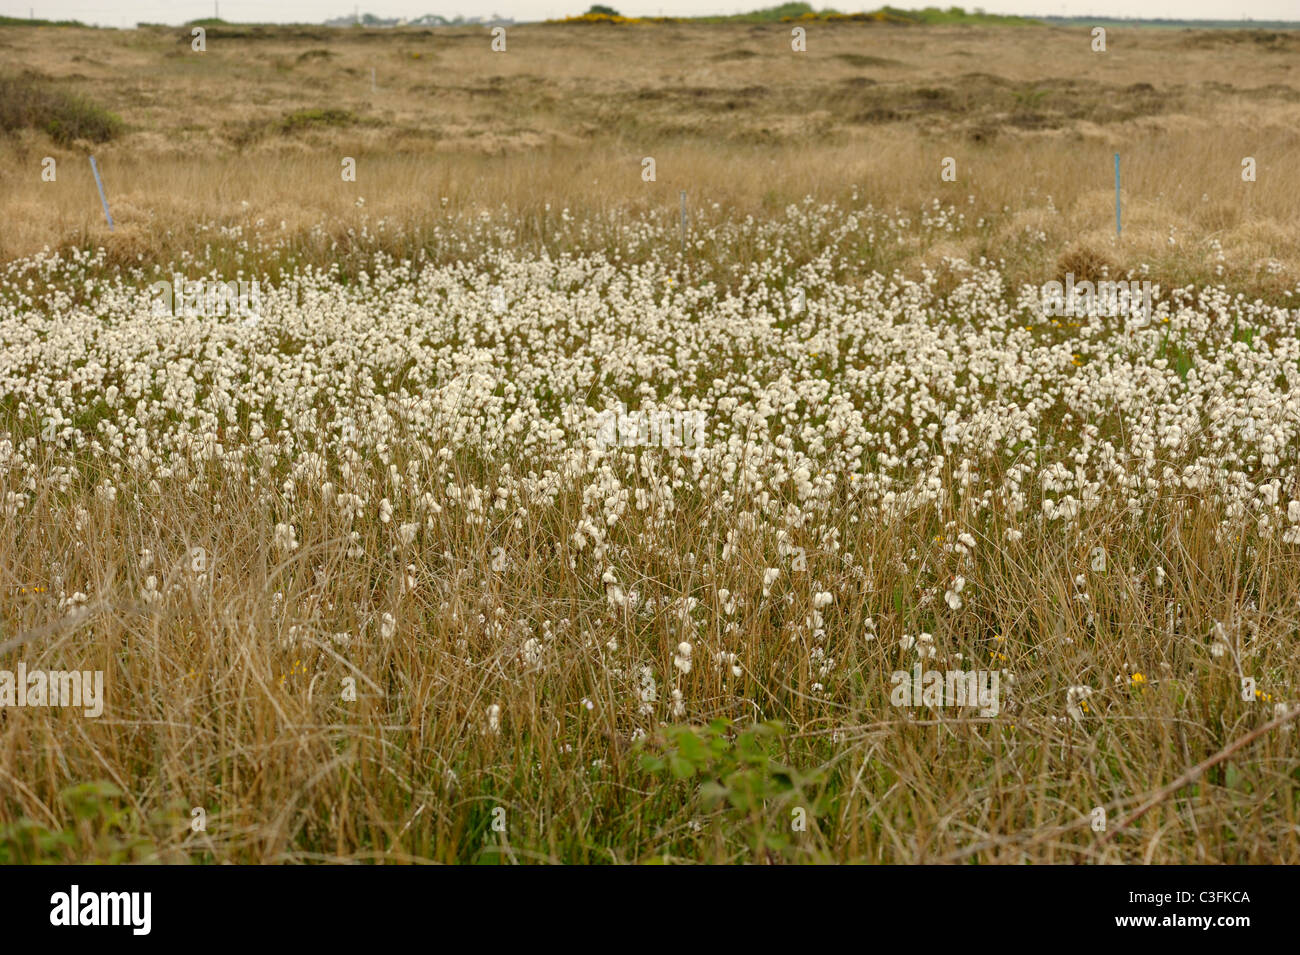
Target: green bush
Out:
[32,102]
[314,118]
[732,772]
[99,829]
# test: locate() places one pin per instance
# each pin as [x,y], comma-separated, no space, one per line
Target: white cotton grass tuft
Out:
[285,538]
[531,652]
[678,705]
[1219,646]
[769,578]
[952,596]
[420,464]
[682,659]
[729,662]
[1076,704]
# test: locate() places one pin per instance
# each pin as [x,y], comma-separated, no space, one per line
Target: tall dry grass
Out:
[217,703]
[729,113]
[223,699]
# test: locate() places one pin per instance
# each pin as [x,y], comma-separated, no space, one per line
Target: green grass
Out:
[28,101]
[316,119]
[24,22]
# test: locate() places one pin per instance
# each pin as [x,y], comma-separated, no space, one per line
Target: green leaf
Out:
[713,793]
[681,768]
[690,747]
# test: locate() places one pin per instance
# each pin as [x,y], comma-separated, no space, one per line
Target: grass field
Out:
[504,517]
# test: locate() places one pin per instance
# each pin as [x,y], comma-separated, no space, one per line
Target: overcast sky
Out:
[119,12]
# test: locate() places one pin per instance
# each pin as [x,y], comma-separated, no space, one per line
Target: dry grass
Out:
[216,704]
[219,702]
[565,116]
